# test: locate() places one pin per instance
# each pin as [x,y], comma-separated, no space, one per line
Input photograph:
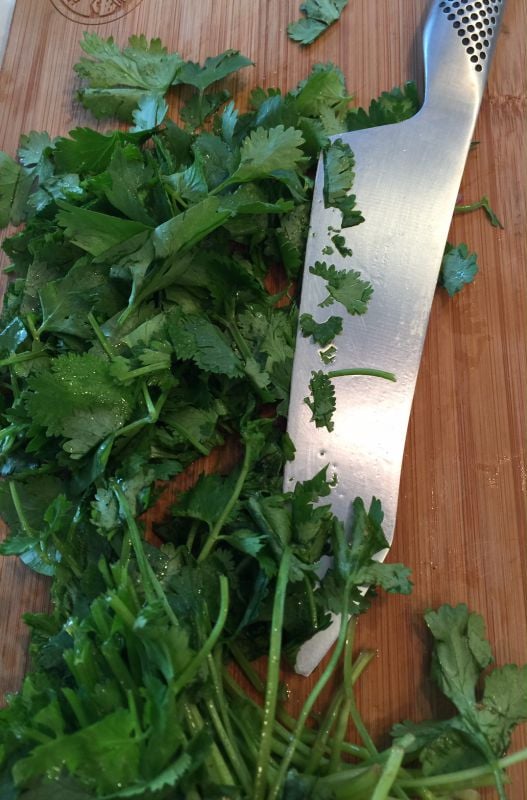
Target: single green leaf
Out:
[319,15]
[339,174]
[214,69]
[323,333]
[322,400]
[150,112]
[344,286]
[98,233]
[458,268]
[15,185]
[188,228]
[86,151]
[265,152]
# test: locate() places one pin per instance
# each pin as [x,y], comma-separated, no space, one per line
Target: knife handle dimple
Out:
[459,41]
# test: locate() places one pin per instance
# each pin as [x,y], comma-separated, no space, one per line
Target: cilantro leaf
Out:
[79,400]
[129,176]
[96,232]
[214,69]
[339,163]
[344,286]
[394,106]
[88,753]
[119,81]
[15,185]
[185,230]
[322,332]
[268,152]
[150,112]
[86,151]
[458,268]
[322,400]
[319,15]
[196,338]
[201,106]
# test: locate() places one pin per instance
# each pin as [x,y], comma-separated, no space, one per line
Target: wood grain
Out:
[462,522]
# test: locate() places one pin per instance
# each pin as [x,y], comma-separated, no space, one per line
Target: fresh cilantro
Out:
[319,15]
[267,153]
[481,731]
[97,233]
[395,106]
[15,183]
[344,286]
[340,243]
[120,80]
[214,69]
[458,268]
[322,402]
[322,332]
[339,163]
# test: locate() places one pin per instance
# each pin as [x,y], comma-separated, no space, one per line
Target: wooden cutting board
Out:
[462,521]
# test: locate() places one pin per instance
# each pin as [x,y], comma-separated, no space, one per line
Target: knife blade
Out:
[6,17]
[407,181]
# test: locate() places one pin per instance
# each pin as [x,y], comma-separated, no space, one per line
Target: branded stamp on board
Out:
[94,12]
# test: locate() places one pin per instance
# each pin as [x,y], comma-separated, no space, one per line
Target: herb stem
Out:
[484,203]
[373,373]
[463,779]
[312,698]
[15,497]
[193,666]
[391,768]
[101,338]
[19,358]
[273,676]
[222,519]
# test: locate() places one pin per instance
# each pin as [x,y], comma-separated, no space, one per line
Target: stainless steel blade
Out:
[6,16]
[407,181]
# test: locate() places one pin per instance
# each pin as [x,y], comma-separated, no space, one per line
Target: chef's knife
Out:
[407,181]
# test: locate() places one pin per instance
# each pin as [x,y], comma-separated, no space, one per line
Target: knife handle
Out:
[459,41]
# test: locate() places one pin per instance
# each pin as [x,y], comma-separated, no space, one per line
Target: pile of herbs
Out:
[138,334]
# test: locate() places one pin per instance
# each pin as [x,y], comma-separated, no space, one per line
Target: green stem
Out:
[21,357]
[391,768]
[273,676]
[215,758]
[464,779]
[343,718]
[319,747]
[194,665]
[374,373]
[30,320]
[15,497]
[484,203]
[101,338]
[227,742]
[222,519]
[312,698]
